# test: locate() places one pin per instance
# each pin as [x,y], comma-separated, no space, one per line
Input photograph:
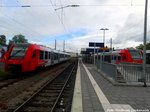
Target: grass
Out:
[4,74]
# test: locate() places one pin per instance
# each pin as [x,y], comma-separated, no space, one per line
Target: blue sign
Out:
[96,44]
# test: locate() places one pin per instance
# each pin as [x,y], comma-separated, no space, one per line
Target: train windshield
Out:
[18,51]
[135,54]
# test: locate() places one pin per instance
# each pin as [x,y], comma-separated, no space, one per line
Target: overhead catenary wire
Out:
[26,28]
[61,19]
[81,5]
[20,23]
[32,14]
[65,29]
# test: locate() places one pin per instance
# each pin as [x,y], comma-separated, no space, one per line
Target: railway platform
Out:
[94,93]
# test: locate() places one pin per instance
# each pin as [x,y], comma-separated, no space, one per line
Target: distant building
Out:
[73,54]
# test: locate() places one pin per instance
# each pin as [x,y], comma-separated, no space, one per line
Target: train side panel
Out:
[30,61]
[28,57]
[123,56]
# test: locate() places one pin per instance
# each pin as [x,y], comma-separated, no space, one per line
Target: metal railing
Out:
[133,72]
[124,73]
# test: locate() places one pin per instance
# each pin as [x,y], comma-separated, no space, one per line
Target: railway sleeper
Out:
[54,88]
[50,91]
[37,109]
[48,95]
[45,99]
[40,104]
[63,108]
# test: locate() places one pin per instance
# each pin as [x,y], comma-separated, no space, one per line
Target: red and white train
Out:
[133,56]
[28,57]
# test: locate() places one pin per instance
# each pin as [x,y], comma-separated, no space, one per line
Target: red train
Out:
[28,57]
[123,56]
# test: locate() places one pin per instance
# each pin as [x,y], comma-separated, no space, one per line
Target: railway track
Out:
[4,83]
[7,82]
[54,96]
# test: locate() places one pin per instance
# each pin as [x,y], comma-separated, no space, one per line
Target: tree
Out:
[19,39]
[2,39]
[141,46]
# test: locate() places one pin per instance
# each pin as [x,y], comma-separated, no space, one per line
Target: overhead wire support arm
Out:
[25,6]
[67,6]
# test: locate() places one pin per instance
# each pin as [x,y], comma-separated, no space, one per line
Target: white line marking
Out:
[97,89]
[77,97]
[104,101]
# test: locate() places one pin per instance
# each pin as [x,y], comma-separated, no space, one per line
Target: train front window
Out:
[135,54]
[18,51]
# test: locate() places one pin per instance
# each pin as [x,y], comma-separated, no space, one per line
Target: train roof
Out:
[147,51]
[41,47]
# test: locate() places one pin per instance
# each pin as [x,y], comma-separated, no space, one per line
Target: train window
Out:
[46,55]
[112,57]
[41,54]
[55,56]
[119,57]
[124,57]
[62,55]
[18,51]
[49,55]
[34,54]
[135,54]
[115,57]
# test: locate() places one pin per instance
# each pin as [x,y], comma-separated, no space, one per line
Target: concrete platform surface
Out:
[93,93]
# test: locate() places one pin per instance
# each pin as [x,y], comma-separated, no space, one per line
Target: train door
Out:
[41,58]
[52,58]
[56,60]
[124,58]
[34,60]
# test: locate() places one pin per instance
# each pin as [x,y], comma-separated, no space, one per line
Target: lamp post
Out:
[144,43]
[55,44]
[64,45]
[104,34]
[101,59]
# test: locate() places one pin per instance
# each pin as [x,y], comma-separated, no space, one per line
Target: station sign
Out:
[91,50]
[96,44]
[104,48]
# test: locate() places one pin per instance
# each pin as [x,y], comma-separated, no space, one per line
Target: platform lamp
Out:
[104,34]
[101,59]
[144,43]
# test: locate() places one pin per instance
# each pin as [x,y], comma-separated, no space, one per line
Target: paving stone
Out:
[137,97]
[90,100]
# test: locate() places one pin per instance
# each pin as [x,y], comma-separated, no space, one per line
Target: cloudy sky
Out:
[45,21]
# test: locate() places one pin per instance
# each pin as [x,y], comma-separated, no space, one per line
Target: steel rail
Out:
[62,89]
[28,100]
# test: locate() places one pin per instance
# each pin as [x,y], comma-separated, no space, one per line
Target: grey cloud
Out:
[131,31]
